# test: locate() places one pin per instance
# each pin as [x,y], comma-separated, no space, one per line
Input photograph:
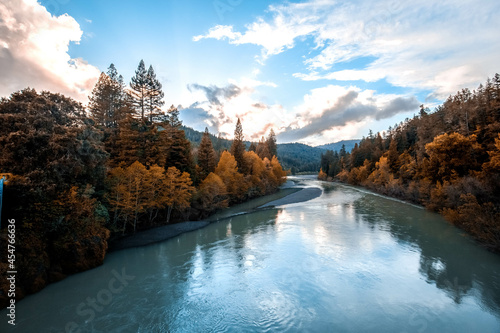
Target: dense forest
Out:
[77,175]
[447,160]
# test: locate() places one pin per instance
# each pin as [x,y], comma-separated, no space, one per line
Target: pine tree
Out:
[206,155]
[108,103]
[100,103]
[139,89]
[173,117]
[262,149]
[178,154]
[271,144]
[154,98]
[238,147]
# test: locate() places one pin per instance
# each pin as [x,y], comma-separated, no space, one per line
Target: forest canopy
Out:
[77,175]
[447,160]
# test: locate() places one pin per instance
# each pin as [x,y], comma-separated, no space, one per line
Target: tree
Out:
[139,90]
[271,144]
[212,194]
[206,155]
[154,181]
[178,153]
[278,170]
[263,149]
[47,139]
[154,99]
[452,155]
[177,190]
[238,147]
[227,170]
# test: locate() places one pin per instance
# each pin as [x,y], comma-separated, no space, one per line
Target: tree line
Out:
[77,175]
[447,160]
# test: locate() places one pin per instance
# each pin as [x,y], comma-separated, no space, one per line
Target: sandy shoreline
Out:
[285,196]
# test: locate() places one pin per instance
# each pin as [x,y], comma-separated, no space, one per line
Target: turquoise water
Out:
[348,261]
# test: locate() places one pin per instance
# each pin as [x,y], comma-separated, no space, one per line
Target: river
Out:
[347,261]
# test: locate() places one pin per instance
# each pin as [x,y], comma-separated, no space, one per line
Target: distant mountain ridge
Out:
[297,157]
[336,146]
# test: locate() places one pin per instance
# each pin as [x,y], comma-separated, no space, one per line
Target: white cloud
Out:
[333,113]
[223,105]
[439,46]
[34,51]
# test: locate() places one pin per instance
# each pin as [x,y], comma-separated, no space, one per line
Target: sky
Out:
[315,71]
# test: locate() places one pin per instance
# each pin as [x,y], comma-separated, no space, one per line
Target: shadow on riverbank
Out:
[287,195]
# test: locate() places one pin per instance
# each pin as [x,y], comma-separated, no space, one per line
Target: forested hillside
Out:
[447,160]
[348,145]
[294,157]
[77,175]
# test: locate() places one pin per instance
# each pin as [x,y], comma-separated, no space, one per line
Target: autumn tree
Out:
[227,170]
[262,149]
[452,155]
[212,194]
[177,190]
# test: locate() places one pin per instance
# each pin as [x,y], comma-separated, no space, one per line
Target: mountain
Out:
[336,146]
[297,157]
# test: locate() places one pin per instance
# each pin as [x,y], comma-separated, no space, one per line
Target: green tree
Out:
[178,153]
[271,144]
[238,147]
[206,155]
[154,95]
[139,90]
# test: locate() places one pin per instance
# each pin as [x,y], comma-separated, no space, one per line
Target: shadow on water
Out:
[448,257]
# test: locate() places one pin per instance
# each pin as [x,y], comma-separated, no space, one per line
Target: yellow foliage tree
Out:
[227,170]
[212,193]
[177,190]
[278,170]
[452,155]
[493,165]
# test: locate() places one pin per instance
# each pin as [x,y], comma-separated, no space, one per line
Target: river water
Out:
[347,261]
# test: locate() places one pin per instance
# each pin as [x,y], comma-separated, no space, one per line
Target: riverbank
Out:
[284,196]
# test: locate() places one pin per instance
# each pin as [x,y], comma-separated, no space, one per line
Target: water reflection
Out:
[448,258]
[347,261]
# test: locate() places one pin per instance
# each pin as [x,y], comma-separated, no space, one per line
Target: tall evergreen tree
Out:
[108,103]
[173,117]
[139,89]
[206,155]
[238,147]
[179,151]
[271,144]
[154,99]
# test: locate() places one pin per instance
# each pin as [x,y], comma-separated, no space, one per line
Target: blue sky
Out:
[315,71]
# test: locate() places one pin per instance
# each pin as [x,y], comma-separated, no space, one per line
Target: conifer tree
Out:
[178,154]
[139,89]
[238,147]
[206,155]
[108,102]
[262,149]
[271,144]
[154,99]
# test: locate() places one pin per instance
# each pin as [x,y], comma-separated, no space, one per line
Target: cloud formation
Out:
[34,51]
[222,107]
[333,107]
[439,46]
